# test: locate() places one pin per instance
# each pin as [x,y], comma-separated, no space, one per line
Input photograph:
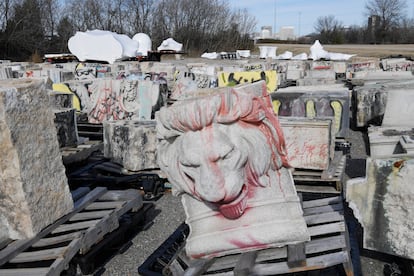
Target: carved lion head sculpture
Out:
[217,147]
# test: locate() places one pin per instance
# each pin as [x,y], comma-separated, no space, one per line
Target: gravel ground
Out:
[168,215]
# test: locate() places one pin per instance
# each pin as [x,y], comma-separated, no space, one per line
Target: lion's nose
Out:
[210,185]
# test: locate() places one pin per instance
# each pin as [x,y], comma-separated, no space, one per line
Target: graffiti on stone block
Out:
[404,66]
[235,78]
[187,83]
[253,67]
[84,72]
[106,99]
[362,66]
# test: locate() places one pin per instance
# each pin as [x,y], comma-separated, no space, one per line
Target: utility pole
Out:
[300,13]
[274,20]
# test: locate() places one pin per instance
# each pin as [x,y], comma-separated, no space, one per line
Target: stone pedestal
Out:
[132,144]
[34,190]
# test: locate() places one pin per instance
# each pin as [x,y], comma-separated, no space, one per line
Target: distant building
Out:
[287,33]
[373,27]
[266,32]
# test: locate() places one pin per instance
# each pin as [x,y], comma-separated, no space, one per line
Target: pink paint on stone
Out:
[225,155]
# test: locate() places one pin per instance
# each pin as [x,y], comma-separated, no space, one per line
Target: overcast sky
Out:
[302,14]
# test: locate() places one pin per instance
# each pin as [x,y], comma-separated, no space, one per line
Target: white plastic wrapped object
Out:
[285,55]
[243,53]
[170,44]
[317,52]
[102,45]
[212,55]
[267,51]
[145,43]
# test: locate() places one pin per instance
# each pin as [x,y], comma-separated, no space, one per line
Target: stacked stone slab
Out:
[33,186]
[132,144]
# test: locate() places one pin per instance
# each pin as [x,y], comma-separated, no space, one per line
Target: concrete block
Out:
[384,141]
[315,81]
[65,123]
[310,143]
[132,144]
[399,109]
[61,100]
[34,188]
[407,143]
[383,204]
[315,102]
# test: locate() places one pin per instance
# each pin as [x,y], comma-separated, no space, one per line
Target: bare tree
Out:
[50,16]
[390,12]
[140,16]
[6,8]
[329,29]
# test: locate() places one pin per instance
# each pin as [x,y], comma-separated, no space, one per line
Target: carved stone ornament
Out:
[225,154]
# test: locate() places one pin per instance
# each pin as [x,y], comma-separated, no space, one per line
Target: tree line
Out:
[35,27]
[30,28]
[387,22]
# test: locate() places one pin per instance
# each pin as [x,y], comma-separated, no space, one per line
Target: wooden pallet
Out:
[81,152]
[92,131]
[327,181]
[328,247]
[95,214]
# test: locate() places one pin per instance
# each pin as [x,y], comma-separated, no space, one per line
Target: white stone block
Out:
[383,204]
[34,190]
[310,143]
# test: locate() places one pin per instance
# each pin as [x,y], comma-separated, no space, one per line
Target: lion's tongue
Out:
[235,209]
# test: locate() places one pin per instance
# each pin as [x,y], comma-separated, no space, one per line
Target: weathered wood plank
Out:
[56,240]
[324,218]
[75,226]
[41,271]
[315,189]
[16,247]
[96,233]
[90,215]
[321,202]
[39,255]
[330,172]
[325,244]
[323,209]
[105,205]
[336,227]
[245,263]
[318,262]
[61,263]
[296,255]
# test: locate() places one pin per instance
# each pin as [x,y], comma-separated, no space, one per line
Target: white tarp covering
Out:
[317,52]
[102,45]
[144,43]
[170,44]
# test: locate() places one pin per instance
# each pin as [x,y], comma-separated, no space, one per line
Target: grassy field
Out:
[361,50]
